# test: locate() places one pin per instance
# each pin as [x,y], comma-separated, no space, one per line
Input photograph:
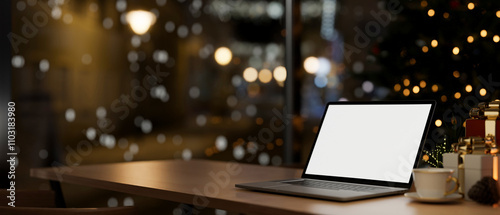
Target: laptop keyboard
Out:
[335,185]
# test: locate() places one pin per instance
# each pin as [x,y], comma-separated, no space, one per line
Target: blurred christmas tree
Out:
[447,51]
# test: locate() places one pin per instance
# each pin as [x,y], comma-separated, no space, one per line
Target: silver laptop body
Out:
[362,150]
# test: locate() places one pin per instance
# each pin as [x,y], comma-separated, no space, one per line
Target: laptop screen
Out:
[369,141]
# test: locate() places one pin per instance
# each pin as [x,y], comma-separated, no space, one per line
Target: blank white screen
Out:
[378,142]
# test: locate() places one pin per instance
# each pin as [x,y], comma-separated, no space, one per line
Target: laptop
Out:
[362,150]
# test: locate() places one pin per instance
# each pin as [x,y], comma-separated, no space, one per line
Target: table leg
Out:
[56,187]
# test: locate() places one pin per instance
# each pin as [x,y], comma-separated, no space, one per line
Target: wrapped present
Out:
[478,166]
[485,121]
[470,168]
[476,154]
[482,128]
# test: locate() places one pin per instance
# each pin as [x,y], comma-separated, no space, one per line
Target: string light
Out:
[425,49]
[456,51]
[434,43]
[482,92]
[498,14]
[265,76]
[470,39]
[470,6]
[431,12]
[223,56]
[496,38]
[423,84]
[416,89]
[250,74]
[457,95]
[446,15]
[484,33]
[397,87]
[456,74]
[468,88]
[413,61]
[435,88]
[311,65]
[406,92]
[438,123]
[444,98]
[406,82]
[423,3]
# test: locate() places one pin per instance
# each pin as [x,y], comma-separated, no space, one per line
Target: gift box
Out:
[476,167]
[482,128]
[470,168]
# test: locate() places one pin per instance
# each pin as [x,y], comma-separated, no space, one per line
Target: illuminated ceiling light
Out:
[265,76]
[483,33]
[482,92]
[140,20]
[456,74]
[279,73]
[470,6]
[416,89]
[470,39]
[444,98]
[431,12]
[250,74]
[223,56]
[434,43]
[468,88]
[435,88]
[397,87]
[496,38]
[457,95]
[423,84]
[406,82]
[456,51]
[406,92]
[425,49]
[311,65]
[438,123]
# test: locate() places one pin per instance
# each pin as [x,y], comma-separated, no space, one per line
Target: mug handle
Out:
[456,185]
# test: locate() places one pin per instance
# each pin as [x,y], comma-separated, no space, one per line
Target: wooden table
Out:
[204,183]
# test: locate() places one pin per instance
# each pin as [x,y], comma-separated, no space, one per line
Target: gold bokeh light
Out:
[482,92]
[425,49]
[311,65]
[483,33]
[471,6]
[435,88]
[250,74]
[434,43]
[406,82]
[279,73]
[265,76]
[456,51]
[397,87]
[406,92]
[438,123]
[468,88]
[431,12]
[470,39]
[223,56]
[416,89]
[423,84]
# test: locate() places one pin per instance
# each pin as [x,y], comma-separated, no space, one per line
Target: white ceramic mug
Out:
[433,182]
